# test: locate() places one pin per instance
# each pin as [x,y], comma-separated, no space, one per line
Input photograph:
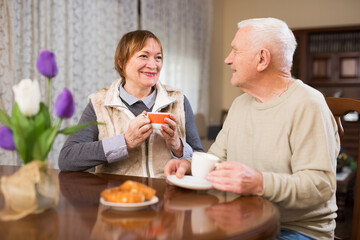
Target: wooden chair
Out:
[203,131]
[340,107]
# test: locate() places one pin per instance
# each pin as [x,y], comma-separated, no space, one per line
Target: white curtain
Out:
[83,34]
[183,27]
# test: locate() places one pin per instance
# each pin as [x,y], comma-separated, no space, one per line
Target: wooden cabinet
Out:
[328,59]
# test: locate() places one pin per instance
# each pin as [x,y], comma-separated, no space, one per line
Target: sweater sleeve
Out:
[314,144]
[82,150]
[192,136]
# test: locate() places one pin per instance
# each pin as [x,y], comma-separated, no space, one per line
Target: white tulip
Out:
[27,96]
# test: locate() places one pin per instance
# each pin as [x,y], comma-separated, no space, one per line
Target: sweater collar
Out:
[162,100]
[149,101]
[279,100]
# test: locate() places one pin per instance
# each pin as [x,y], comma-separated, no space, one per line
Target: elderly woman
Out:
[127,144]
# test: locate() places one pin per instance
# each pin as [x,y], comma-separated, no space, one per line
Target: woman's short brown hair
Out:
[128,45]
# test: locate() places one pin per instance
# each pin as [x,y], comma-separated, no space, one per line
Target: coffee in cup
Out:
[202,163]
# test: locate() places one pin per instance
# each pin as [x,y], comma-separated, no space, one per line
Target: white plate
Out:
[190,182]
[129,206]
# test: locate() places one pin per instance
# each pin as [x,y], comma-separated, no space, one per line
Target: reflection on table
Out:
[179,214]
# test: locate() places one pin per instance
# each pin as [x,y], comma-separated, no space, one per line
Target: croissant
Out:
[128,192]
[138,187]
[116,195]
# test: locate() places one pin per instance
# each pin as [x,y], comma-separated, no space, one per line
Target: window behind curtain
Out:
[183,27]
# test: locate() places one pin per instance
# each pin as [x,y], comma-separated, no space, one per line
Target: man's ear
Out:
[263,59]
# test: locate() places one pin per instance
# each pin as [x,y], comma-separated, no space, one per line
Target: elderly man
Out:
[280,139]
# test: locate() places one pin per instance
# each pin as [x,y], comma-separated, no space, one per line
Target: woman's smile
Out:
[149,74]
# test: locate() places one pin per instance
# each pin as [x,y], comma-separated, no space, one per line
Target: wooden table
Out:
[179,214]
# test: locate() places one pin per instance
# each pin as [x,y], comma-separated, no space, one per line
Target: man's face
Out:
[241,59]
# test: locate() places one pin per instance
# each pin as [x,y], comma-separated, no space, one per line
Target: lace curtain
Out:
[183,27]
[83,35]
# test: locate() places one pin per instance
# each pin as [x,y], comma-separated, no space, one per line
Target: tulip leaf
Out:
[41,121]
[19,140]
[18,117]
[43,116]
[5,119]
[23,134]
[43,144]
[23,139]
[70,130]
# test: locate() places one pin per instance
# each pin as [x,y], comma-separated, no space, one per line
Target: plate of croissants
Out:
[129,196]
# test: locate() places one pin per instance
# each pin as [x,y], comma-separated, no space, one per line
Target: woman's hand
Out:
[169,131]
[177,167]
[139,130]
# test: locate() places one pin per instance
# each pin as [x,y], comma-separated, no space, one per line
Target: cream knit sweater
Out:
[293,141]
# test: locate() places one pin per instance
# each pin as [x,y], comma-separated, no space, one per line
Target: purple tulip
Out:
[6,138]
[64,104]
[46,64]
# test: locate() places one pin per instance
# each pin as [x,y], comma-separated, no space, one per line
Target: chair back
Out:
[340,107]
[201,125]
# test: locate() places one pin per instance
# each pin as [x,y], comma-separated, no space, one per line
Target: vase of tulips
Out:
[30,131]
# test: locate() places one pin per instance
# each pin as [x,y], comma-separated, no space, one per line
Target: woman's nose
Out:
[151,63]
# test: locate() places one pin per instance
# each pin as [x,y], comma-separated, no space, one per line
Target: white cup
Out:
[203,163]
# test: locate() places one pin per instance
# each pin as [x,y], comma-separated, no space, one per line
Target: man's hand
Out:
[139,130]
[178,167]
[169,131]
[237,178]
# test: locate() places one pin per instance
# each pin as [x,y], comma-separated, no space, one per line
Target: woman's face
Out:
[142,71]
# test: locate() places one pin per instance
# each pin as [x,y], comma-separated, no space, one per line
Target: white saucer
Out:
[190,182]
[129,206]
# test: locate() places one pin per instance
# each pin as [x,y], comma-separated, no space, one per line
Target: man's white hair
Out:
[274,34]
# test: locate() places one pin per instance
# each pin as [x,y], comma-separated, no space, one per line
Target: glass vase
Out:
[32,189]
